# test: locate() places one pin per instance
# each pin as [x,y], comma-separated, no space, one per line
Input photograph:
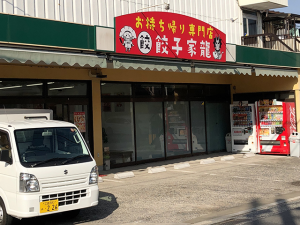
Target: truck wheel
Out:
[5,219]
[69,214]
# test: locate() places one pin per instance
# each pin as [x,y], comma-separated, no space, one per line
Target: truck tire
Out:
[5,219]
[70,214]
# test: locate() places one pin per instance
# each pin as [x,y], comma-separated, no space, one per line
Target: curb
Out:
[207,161]
[123,175]
[156,169]
[248,155]
[227,158]
[181,165]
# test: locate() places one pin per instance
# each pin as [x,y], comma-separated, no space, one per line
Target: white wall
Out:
[102,12]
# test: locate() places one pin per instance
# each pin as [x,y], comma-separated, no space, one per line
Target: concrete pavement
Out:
[190,195]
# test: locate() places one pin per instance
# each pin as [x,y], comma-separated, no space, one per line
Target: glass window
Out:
[5,143]
[22,106]
[287,95]
[177,128]
[150,90]
[114,89]
[117,121]
[21,88]
[149,130]
[176,90]
[252,27]
[245,26]
[249,23]
[67,88]
[198,126]
[196,91]
[217,90]
[51,147]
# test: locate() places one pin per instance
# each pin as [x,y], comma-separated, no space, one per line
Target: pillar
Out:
[97,123]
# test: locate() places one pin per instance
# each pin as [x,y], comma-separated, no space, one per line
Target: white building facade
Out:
[226,15]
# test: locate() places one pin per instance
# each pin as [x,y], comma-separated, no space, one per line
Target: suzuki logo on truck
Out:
[66,172]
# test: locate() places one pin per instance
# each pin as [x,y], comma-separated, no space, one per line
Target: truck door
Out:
[8,176]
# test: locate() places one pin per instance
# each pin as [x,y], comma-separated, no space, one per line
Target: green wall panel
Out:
[3,27]
[34,31]
[264,56]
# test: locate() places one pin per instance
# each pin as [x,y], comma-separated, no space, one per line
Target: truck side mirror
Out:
[4,156]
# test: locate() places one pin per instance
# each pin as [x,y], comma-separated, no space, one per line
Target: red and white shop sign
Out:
[79,121]
[169,35]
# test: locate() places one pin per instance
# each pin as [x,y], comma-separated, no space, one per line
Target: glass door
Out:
[198,126]
[149,130]
[177,128]
[217,125]
[117,123]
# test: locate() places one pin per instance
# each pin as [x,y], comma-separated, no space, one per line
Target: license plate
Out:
[49,206]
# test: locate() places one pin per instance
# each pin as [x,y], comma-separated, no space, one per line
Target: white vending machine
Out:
[243,128]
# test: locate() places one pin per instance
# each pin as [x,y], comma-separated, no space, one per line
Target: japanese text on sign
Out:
[169,35]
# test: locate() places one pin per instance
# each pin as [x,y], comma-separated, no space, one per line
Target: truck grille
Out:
[48,185]
[65,198]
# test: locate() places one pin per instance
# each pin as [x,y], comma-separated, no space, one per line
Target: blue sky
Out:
[294,7]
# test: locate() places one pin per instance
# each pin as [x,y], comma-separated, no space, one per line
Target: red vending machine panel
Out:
[275,124]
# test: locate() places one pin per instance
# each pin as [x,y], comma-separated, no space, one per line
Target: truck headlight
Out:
[94,175]
[28,183]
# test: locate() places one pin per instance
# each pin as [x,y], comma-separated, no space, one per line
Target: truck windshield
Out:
[41,147]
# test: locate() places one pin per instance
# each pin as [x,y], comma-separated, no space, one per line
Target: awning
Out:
[39,57]
[224,69]
[25,56]
[276,72]
[149,64]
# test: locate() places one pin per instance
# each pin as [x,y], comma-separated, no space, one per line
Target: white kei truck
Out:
[45,166]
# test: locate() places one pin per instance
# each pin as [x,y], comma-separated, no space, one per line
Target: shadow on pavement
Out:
[286,217]
[281,213]
[255,204]
[107,205]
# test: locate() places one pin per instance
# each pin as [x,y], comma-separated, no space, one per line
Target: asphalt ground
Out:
[192,195]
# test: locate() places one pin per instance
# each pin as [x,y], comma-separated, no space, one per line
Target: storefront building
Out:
[143,107]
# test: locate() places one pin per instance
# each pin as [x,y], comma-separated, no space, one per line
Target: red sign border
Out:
[162,57]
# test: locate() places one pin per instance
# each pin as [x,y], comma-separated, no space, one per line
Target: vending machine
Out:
[243,128]
[275,122]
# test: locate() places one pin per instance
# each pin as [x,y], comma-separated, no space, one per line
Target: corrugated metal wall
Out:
[102,12]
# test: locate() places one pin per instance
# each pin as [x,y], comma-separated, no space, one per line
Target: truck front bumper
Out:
[29,203]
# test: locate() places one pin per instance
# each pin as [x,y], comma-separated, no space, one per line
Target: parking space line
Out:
[250,164]
[114,180]
[253,178]
[240,177]
[183,171]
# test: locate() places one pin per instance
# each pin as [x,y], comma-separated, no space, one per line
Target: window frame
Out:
[9,140]
[247,17]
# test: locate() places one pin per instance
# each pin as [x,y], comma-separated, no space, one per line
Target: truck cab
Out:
[45,168]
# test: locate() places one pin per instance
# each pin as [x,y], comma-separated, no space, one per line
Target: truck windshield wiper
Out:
[48,160]
[71,159]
